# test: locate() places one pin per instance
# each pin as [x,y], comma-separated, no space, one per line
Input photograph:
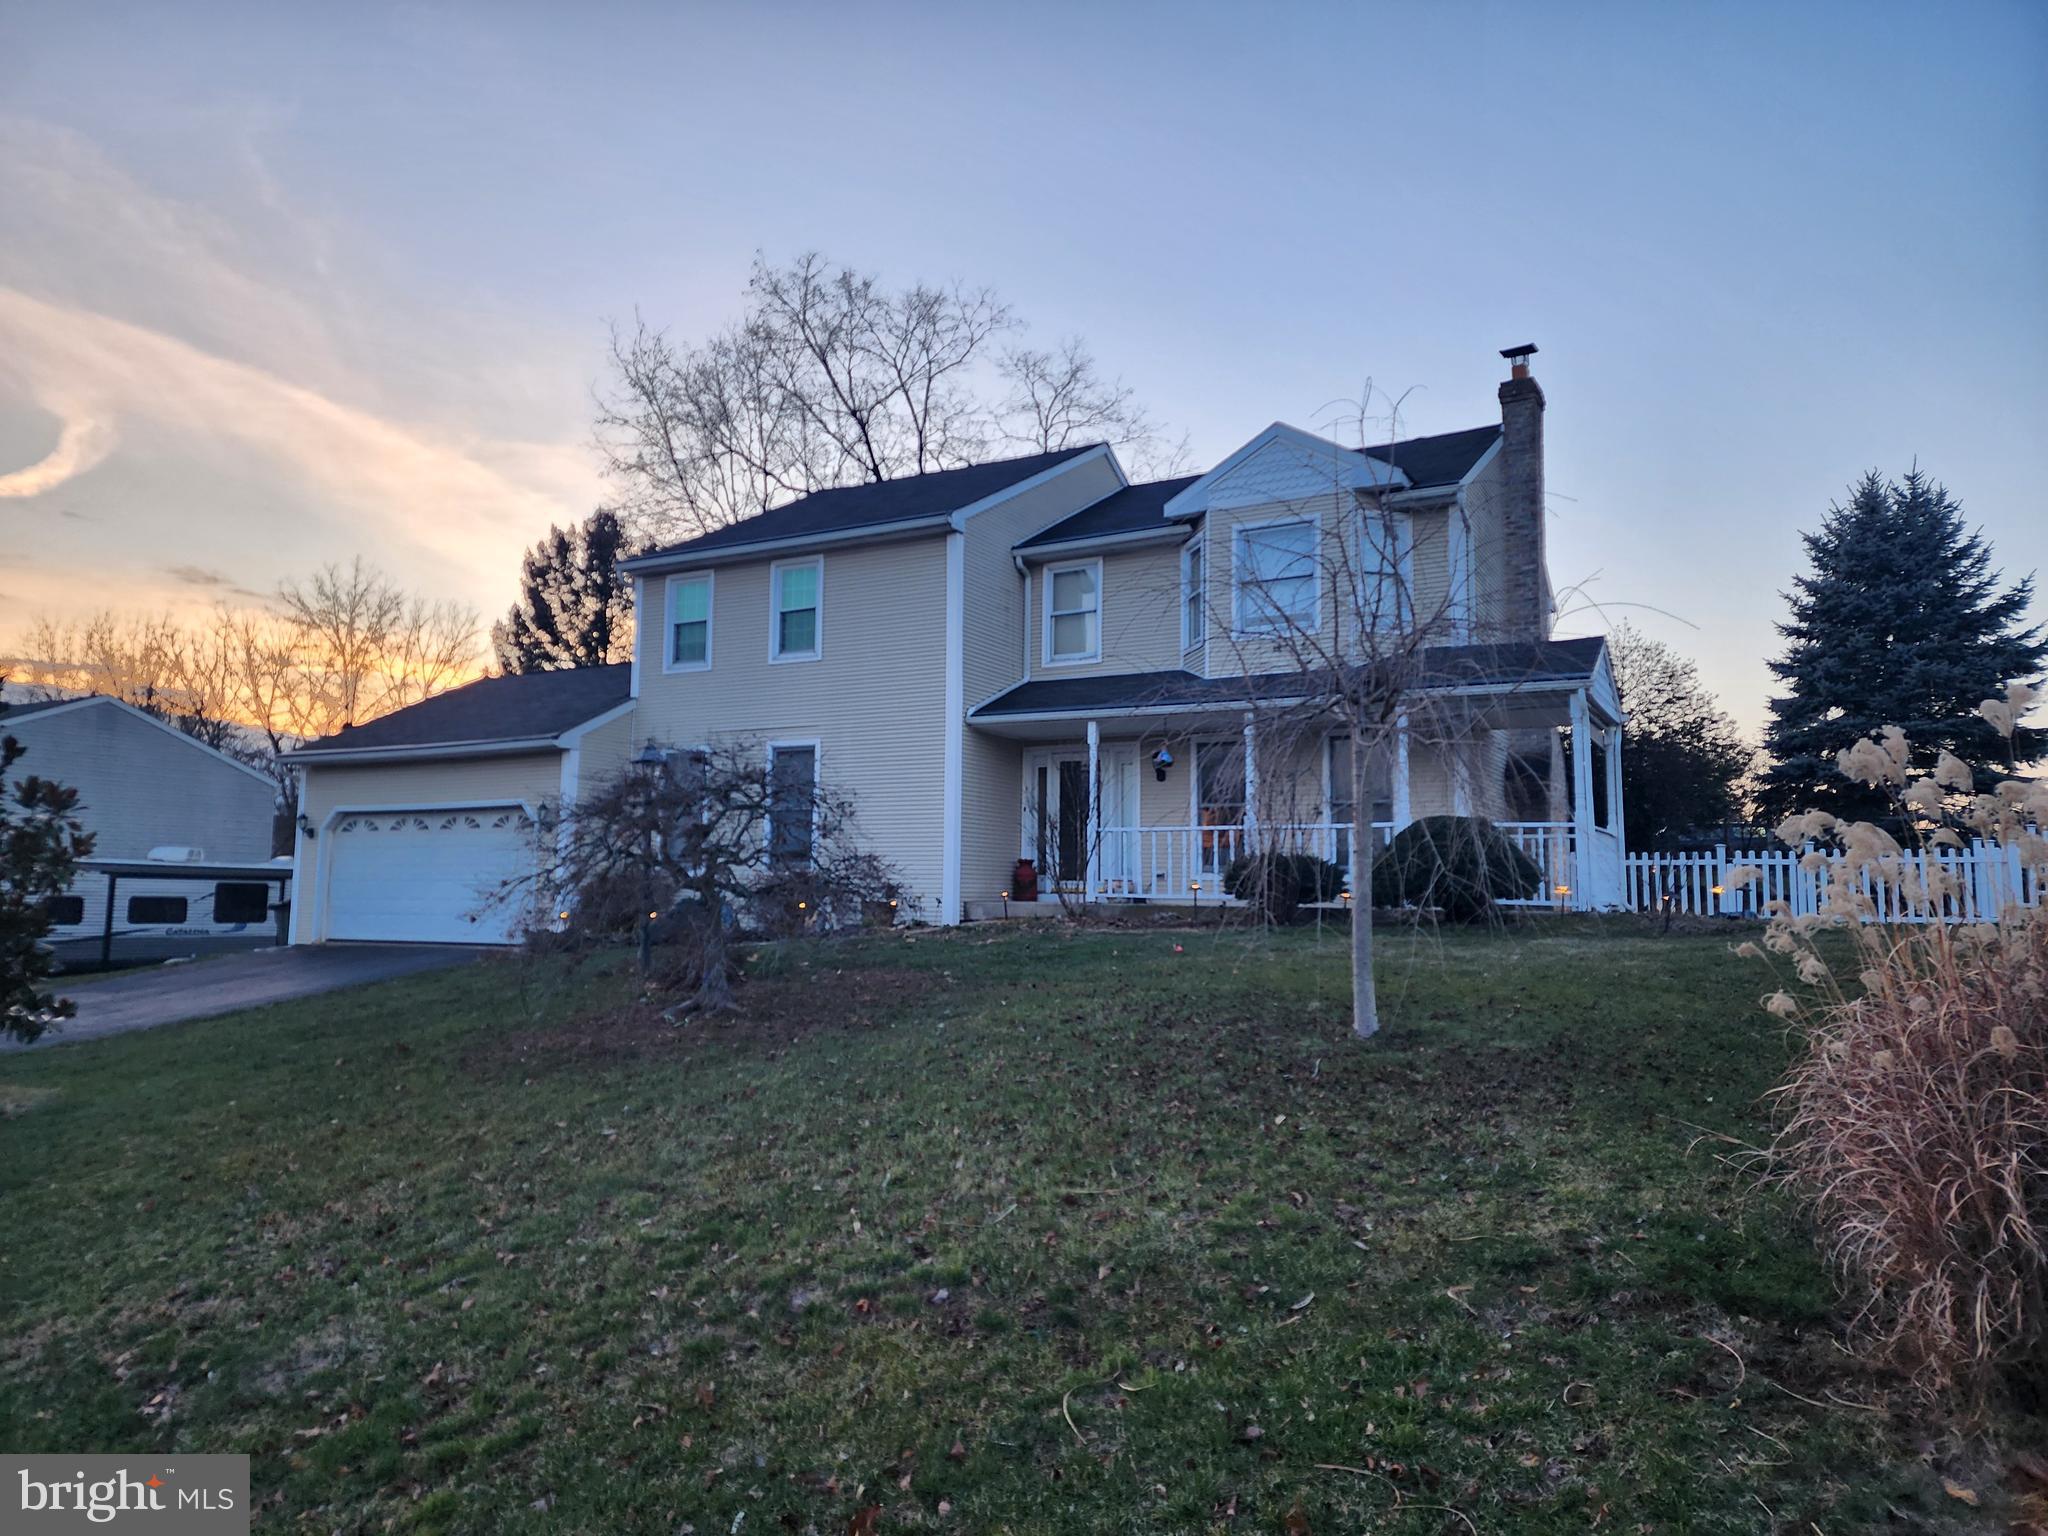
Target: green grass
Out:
[1022,1238]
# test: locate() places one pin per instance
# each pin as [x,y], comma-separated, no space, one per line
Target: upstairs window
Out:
[1073,612]
[689,623]
[1277,588]
[1194,612]
[796,600]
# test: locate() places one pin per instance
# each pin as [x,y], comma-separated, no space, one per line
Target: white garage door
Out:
[426,876]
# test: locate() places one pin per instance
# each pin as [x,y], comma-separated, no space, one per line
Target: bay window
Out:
[1276,589]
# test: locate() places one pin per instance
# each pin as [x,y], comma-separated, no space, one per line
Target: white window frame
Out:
[668,632]
[1045,577]
[776,655]
[1272,626]
[1194,597]
[817,750]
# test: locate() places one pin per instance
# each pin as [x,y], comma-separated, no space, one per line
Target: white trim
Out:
[1479,464]
[817,650]
[1196,547]
[953,811]
[1349,470]
[1404,809]
[1237,535]
[958,518]
[792,743]
[10,726]
[639,633]
[1046,573]
[1141,539]
[668,619]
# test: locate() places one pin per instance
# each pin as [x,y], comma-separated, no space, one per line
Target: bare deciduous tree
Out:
[831,378]
[1334,638]
[1060,399]
[684,847]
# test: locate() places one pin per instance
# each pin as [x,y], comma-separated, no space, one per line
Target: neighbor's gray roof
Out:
[875,505]
[1532,663]
[525,707]
[12,712]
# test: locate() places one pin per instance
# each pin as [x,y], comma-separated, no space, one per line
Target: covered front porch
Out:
[1154,802]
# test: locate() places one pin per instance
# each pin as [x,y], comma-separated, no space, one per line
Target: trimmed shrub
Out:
[1461,865]
[1277,884]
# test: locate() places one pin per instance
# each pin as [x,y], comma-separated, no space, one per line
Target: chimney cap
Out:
[1516,354]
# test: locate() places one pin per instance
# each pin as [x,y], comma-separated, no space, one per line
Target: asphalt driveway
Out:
[171,994]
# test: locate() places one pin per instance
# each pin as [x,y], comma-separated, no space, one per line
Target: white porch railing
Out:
[1187,863]
[1974,884]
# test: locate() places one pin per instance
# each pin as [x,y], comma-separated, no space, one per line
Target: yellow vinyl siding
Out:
[1139,615]
[874,701]
[993,659]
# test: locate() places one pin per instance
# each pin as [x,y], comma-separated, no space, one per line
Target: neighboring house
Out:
[409,825]
[965,653]
[153,796]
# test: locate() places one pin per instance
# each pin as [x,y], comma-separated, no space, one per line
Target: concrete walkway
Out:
[171,994]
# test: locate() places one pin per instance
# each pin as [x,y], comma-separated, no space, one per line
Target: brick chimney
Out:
[1526,603]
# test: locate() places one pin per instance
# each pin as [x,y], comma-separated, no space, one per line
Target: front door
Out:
[1056,817]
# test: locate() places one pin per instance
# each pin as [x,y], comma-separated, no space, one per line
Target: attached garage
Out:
[434,875]
[412,827]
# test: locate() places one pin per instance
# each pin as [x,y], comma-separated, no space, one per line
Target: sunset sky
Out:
[280,285]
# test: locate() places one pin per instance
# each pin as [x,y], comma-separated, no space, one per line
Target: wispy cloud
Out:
[84,437]
[211,384]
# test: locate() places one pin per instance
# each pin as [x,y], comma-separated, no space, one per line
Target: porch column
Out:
[1614,801]
[1401,812]
[1582,802]
[1091,831]
[1251,782]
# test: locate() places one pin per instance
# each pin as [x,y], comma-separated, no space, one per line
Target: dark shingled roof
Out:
[1441,460]
[1532,663]
[1134,509]
[872,506]
[515,708]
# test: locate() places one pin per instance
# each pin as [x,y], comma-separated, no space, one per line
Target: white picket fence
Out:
[1974,884]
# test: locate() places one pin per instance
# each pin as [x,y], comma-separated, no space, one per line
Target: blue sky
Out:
[278,284]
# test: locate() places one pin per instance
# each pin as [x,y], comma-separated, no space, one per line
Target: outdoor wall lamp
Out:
[1161,761]
[306,827]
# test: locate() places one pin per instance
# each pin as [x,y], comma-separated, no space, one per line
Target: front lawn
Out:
[1000,1230]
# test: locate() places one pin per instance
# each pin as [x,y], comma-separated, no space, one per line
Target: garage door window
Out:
[156,909]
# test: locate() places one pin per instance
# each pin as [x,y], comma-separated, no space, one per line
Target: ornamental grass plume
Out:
[1913,1126]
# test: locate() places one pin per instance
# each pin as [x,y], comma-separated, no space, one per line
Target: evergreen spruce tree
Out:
[575,606]
[1903,621]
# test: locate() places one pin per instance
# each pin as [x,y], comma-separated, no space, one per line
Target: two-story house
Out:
[1038,659]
